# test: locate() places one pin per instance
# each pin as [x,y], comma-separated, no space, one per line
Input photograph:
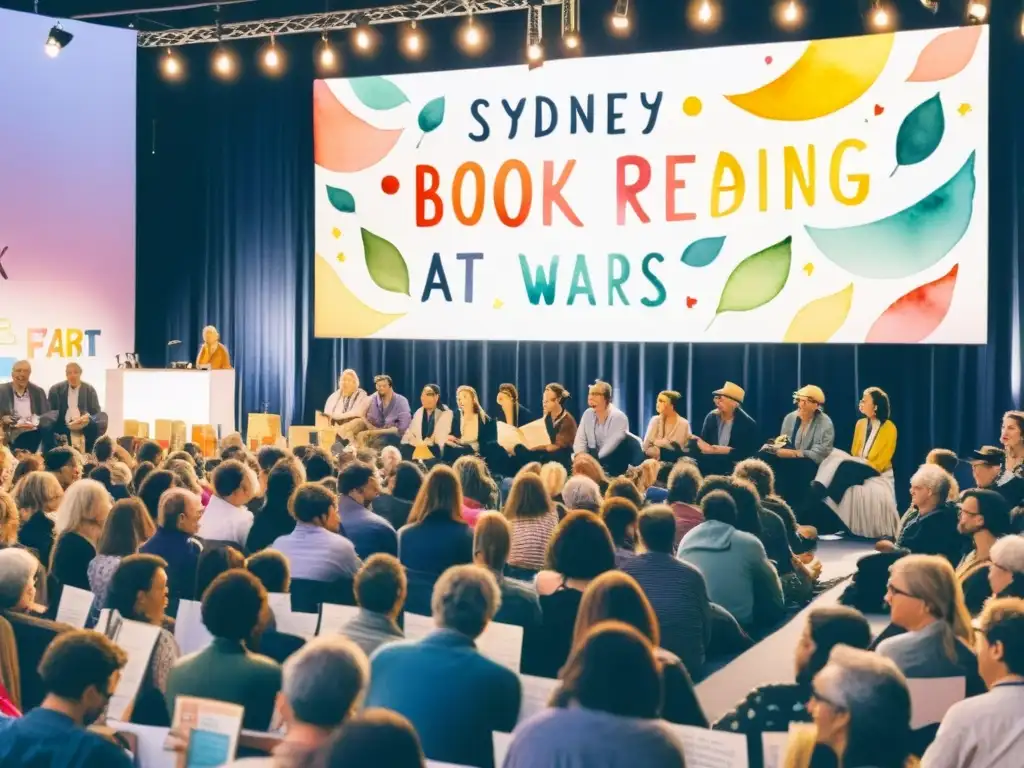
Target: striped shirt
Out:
[679,596]
[530,537]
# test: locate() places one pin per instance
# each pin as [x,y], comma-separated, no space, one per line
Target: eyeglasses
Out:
[824,700]
[894,590]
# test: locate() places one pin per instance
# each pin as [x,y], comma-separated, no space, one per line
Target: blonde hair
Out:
[646,475]
[7,465]
[36,489]
[554,476]
[354,376]
[478,409]
[931,580]
[528,498]
[8,514]
[586,465]
[78,509]
[120,473]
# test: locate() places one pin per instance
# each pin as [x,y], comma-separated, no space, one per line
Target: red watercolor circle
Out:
[390,185]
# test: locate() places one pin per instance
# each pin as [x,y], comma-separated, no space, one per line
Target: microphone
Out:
[173,342]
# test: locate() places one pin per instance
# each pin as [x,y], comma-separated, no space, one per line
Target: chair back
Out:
[308,595]
[32,637]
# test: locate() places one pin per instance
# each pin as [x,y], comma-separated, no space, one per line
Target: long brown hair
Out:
[528,498]
[586,465]
[615,596]
[127,528]
[441,493]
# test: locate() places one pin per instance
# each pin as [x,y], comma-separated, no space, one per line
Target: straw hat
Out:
[988,454]
[811,392]
[732,391]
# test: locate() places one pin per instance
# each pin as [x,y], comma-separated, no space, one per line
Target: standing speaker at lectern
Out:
[212,354]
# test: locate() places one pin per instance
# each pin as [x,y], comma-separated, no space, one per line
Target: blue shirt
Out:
[453,696]
[369,532]
[604,437]
[395,414]
[316,554]
[47,739]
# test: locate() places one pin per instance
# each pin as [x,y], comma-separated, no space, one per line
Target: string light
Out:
[413,42]
[789,13]
[571,24]
[977,11]
[224,64]
[171,65]
[620,18]
[328,58]
[705,13]
[471,36]
[364,37]
[880,17]
[534,36]
[273,58]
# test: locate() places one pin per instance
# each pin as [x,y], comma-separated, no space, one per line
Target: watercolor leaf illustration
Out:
[385,264]
[341,199]
[818,320]
[947,55]
[921,132]
[915,315]
[430,117]
[702,252]
[907,242]
[757,279]
[343,142]
[378,93]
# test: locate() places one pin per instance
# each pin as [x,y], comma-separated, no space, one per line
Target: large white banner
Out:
[67,199]
[830,191]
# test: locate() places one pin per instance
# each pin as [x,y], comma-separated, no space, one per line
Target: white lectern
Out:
[192,396]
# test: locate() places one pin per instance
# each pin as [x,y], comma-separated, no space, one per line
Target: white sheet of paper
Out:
[502,741]
[151,739]
[334,617]
[931,698]
[536,695]
[508,436]
[502,643]
[535,434]
[103,621]
[703,748]
[74,607]
[137,640]
[298,624]
[773,747]
[189,630]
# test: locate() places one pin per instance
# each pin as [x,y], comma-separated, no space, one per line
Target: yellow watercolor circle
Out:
[341,256]
[692,106]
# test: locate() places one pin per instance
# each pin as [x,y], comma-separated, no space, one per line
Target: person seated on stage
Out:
[78,409]
[472,426]
[984,518]
[728,434]
[604,431]
[387,416]
[561,427]
[227,518]
[667,432]
[430,425]
[348,403]
[771,708]
[25,414]
[212,354]
[508,411]
[809,437]
[369,532]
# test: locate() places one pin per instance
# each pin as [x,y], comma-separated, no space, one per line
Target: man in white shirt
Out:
[987,731]
[78,409]
[603,432]
[226,518]
[24,411]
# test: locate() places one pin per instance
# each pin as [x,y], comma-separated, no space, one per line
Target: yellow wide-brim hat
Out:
[732,391]
[811,392]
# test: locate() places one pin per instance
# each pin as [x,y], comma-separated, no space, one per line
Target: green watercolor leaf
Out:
[702,252]
[378,93]
[341,199]
[921,132]
[757,279]
[432,115]
[906,242]
[385,264]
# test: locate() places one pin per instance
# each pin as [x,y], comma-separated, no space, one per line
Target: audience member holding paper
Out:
[772,708]
[321,687]
[234,611]
[987,731]
[277,640]
[926,600]
[492,541]
[607,710]
[380,589]
[861,711]
[374,738]
[18,569]
[80,671]
[615,596]
[138,592]
[453,695]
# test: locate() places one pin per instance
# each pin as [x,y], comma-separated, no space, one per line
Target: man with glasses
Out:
[985,517]
[987,731]
[80,671]
[728,434]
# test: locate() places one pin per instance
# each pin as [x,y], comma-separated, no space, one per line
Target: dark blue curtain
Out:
[225,237]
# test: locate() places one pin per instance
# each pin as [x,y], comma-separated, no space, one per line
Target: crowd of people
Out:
[627,586]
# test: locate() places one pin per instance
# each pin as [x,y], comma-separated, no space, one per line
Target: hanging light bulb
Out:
[789,13]
[273,58]
[171,65]
[977,11]
[472,38]
[620,17]
[571,24]
[363,36]
[223,62]
[328,58]
[705,13]
[880,17]
[413,42]
[534,36]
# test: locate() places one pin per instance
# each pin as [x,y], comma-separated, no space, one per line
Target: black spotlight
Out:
[57,40]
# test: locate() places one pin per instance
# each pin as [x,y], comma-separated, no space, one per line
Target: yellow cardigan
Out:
[882,449]
[220,360]
[800,748]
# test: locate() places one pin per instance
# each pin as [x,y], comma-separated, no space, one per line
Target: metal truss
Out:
[325,22]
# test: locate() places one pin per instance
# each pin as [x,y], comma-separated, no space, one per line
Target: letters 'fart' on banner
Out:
[831,191]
